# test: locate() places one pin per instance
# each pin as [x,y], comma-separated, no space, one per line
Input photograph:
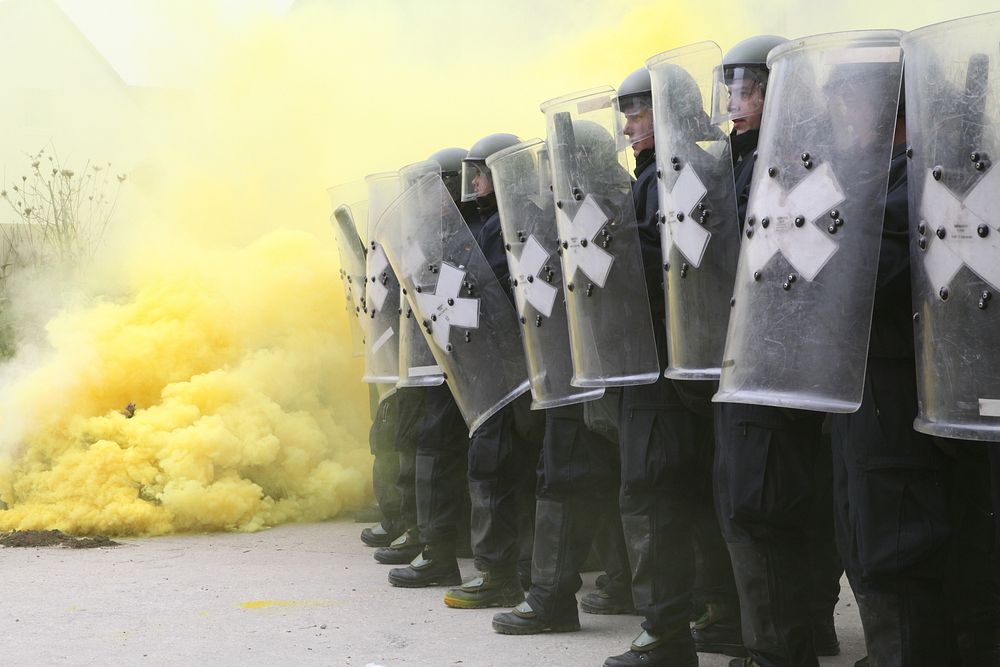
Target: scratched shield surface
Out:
[804,290]
[350,205]
[522,179]
[381,290]
[699,229]
[610,326]
[953,123]
[466,317]
[417,365]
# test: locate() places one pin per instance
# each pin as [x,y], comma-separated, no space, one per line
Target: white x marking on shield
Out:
[445,308]
[530,288]
[680,228]
[806,248]
[377,264]
[960,220]
[580,250]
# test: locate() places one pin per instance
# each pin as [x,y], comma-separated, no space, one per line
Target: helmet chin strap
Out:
[487,203]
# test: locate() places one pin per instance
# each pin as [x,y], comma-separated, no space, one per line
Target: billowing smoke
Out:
[198,376]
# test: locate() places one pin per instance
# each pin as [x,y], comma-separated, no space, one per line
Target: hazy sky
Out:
[159,41]
[162,41]
[130,32]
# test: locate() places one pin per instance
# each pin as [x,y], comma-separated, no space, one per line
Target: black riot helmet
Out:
[450,161]
[636,90]
[474,164]
[741,82]
[635,103]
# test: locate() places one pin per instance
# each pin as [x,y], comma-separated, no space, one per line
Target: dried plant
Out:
[60,219]
[61,215]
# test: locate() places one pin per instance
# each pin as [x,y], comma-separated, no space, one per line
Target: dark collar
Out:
[643,160]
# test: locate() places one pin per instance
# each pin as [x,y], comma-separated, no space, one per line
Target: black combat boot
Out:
[523,620]
[670,649]
[493,588]
[605,601]
[381,534]
[430,568]
[402,550]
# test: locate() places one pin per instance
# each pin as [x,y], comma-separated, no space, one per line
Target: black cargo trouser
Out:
[773,492]
[503,454]
[893,519]
[666,497]
[409,415]
[578,478]
[972,578]
[385,469]
[441,462]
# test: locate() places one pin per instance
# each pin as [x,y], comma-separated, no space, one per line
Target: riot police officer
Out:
[666,444]
[385,472]
[433,443]
[913,517]
[578,469]
[504,450]
[381,312]
[772,470]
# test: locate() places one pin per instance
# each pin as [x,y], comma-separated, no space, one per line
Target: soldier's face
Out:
[746,104]
[639,128]
[482,183]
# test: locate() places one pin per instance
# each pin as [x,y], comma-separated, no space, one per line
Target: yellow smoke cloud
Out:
[246,407]
[225,322]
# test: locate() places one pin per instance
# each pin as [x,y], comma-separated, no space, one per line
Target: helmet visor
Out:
[635,122]
[476,180]
[738,93]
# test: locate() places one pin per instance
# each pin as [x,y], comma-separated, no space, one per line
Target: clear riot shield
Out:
[805,284]
[381,290]
[953,126]
[417,366]
[699,229]
[467,319]
[610,326]
[348,208]
[522,180]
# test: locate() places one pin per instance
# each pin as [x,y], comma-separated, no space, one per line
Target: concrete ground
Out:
[295,595]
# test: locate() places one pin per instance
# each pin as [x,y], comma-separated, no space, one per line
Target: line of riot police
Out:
[766,356]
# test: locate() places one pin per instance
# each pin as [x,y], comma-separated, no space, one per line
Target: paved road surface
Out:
[305,594]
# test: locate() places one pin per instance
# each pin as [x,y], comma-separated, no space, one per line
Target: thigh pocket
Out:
[901,519]
[489,446]
[771,476]
[641,459]
[561,460]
